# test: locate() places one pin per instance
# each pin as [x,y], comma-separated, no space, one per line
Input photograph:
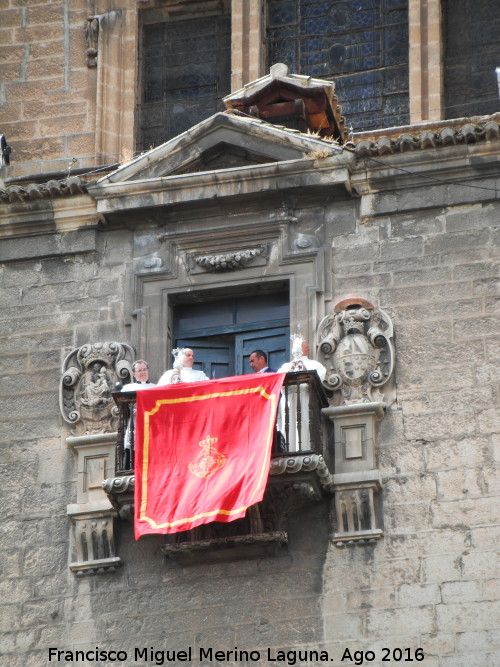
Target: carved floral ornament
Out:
[229,261]
[356,347]
[89,375]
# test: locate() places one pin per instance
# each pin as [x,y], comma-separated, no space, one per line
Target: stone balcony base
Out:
[224,549]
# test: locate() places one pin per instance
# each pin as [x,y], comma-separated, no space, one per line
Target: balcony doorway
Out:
[223,332]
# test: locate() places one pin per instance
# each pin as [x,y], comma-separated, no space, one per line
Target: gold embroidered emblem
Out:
[208,461]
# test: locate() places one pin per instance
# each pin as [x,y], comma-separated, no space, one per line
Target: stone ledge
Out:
[224,549]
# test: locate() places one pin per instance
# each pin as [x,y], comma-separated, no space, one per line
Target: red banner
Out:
[203,450]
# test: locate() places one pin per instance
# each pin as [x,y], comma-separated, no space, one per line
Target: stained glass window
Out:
[471,54]
[360,44]
[185,71]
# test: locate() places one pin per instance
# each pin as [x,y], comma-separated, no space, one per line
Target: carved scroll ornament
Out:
[89,376]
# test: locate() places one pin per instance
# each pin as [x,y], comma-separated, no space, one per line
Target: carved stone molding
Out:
[308,463]
[90,373]
[92,40]
[355,346]
[228,261]
[120,491]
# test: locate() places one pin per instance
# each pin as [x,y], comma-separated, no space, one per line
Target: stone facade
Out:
[407,220]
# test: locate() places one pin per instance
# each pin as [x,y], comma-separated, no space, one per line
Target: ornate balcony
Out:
[300,474]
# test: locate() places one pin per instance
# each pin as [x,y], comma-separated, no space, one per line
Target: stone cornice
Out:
[427,135]
[254,179]
[48,215]
[67,187]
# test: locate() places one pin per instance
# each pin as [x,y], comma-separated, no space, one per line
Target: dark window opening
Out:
[360,44]
[185,73]
[223,332]
[471,55]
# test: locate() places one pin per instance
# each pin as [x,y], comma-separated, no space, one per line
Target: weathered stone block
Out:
[394,623]
[340,220]
[448,454]
[485,286]
[458,484]
[481,565]
[349,626]
[434,426]
[48,244]
[401,248]
[406,518]
[417,224]
[14,363]
[463,218]
[467,512]
[418,595]
[359,255]
[417,294]
[427,276]
[41,613]
[16,590]
[460,591]
[472,616]
[370,598]
[449,243]
[408,489]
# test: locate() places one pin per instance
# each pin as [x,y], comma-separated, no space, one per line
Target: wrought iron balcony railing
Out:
[298,427]
[301,472]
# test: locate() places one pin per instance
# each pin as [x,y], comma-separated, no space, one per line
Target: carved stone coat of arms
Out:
[355,346]
[89,376]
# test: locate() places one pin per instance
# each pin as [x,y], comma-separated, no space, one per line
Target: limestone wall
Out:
[432,581]
[424,254]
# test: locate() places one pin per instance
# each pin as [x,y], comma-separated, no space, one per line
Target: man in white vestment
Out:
[183,370]
[298,441]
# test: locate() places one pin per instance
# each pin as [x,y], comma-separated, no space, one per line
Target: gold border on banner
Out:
[145,454]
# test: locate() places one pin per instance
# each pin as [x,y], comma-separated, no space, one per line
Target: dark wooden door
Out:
[223,333]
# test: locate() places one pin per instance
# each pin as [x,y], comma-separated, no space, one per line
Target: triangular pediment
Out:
[227,140]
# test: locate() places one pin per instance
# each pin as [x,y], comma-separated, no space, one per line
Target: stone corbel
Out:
[356,346]
[92,515]
[356,481]
[94,542]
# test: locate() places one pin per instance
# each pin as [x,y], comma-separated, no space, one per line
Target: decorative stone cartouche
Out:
[355,345]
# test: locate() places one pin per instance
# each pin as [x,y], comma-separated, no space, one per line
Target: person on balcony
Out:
[258,362]
[297,404]
[300,361]
[140,373]
[182,370]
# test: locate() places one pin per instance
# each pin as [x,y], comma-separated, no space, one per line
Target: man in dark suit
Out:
[258,362]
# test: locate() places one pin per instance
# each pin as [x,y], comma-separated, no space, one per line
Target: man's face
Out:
[141,373]
[188,359]
[257,363]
